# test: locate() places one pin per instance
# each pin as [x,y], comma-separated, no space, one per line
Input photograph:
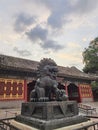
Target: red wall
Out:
[12,89]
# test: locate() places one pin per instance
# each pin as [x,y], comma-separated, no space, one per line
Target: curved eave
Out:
[77,77]
[16,68]
[28,70]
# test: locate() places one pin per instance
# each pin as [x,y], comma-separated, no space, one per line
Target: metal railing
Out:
[92,126]
[6,125]
[87,109]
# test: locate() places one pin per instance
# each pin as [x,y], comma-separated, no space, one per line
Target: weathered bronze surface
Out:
[46,87]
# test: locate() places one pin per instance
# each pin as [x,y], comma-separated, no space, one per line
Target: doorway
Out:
[73,92]
[30,87]
[95,94]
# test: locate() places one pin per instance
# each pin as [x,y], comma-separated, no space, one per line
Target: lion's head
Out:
[47,66]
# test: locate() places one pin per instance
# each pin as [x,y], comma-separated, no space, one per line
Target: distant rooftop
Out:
[10,62]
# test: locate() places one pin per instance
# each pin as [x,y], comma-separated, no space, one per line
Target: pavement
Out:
[93,105]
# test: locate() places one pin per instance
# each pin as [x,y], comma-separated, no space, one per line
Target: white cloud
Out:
[67,24]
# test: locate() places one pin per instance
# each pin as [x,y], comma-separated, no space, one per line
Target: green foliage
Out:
[90,57]
[94,86]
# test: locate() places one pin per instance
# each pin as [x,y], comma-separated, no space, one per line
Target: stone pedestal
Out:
[50,115]
[49,110]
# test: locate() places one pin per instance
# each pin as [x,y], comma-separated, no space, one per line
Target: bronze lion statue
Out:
[46,87]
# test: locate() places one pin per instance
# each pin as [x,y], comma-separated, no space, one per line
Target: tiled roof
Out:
[17,63]
[10,62]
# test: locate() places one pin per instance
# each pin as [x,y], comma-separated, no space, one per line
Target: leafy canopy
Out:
[90,57]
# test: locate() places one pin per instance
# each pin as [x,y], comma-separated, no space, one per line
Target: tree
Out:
[90,57]
[94,85]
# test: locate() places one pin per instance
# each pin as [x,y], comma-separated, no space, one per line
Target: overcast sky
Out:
[56,29]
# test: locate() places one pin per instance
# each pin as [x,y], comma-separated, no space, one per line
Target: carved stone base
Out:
[50,115]
[49,110]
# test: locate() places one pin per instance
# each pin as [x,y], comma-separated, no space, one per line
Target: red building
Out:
[18,77]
